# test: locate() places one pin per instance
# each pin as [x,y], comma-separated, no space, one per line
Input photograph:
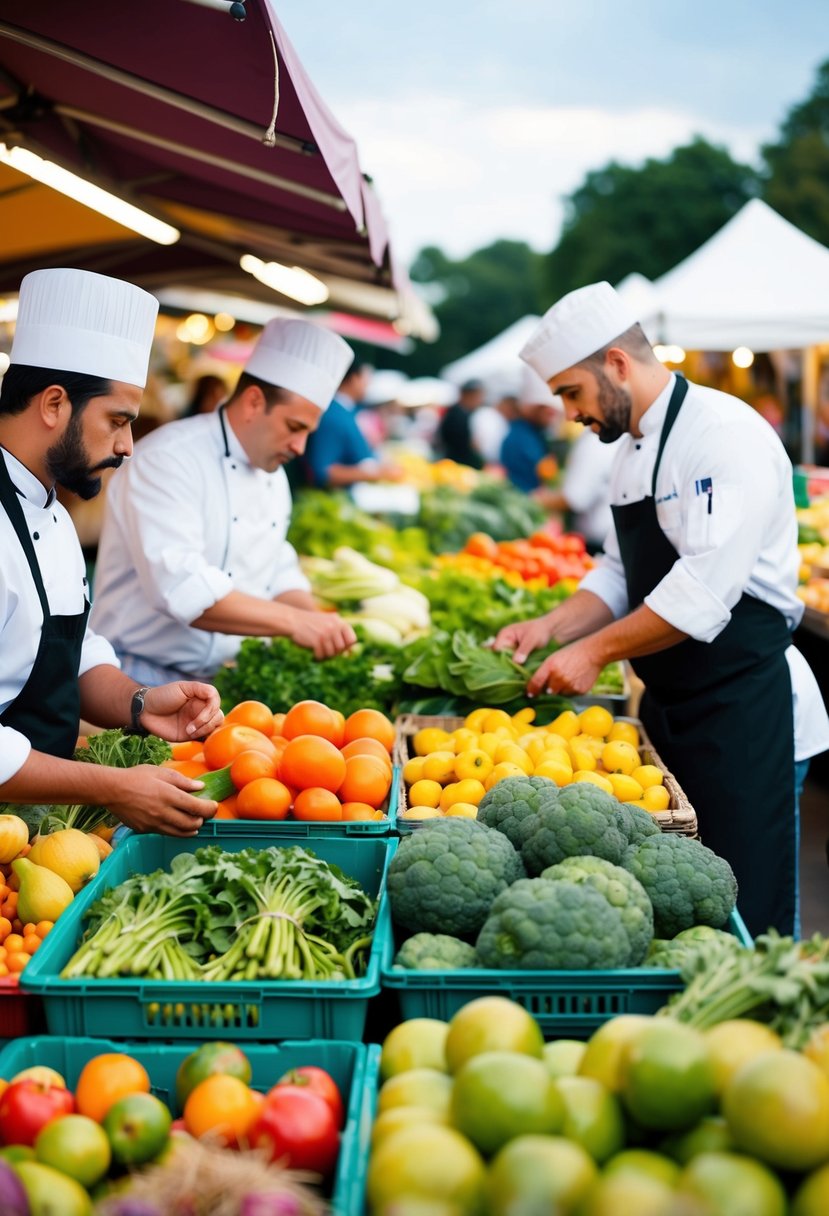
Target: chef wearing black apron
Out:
[697,588]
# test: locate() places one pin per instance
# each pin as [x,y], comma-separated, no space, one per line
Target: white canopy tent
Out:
[496,362]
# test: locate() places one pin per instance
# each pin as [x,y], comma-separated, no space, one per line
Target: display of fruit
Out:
[541,560]
[451,770]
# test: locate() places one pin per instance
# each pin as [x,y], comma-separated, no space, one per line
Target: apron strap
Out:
[11,501]
[224,429]
[677,397]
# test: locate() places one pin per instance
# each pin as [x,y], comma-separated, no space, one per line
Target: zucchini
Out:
[217,785]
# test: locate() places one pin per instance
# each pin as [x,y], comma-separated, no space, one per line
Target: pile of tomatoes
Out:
[310,763]
[544,556]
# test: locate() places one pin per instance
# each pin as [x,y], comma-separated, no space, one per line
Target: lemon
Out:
[497,718]
[430,739]
[620,757]
[500,772]
[624,787]
[535,748]
[462,810]
[594,745]
[638,802]
[566,724]
[425,793]
[552,739]
[475,720]
[647,775]
[421,812]
[468,790]
[511,753]
[656,798]
[473,763]
[554,770]
[489,742]
[439,766]
[596,721]
[582,758]
[524,716]
[464,739]
[593,779]
[624,732]
[413,770]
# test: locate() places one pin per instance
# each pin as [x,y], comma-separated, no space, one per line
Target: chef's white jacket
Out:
[21,616]
[184,526]
[586,485]
[724,500]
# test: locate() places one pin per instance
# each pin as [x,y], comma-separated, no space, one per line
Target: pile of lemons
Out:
[452,770]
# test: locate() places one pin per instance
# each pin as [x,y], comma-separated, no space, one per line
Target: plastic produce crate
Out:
[679,817]
[354,1068]
[238,1010]
[565,1003]
[221,829]
[20,1012]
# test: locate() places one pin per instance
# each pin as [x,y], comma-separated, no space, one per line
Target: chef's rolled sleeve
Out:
[14,752]
[96,651]
[607,578]
[687,604]
[288,574]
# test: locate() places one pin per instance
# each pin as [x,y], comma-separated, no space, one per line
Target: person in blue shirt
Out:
[338,453]
[525,443]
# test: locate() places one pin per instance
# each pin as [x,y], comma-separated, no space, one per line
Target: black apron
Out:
[720,715]
[47,709]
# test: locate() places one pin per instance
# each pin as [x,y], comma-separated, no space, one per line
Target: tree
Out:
[647,219]
[797,182]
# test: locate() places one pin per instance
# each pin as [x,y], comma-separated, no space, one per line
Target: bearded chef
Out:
[697,588]
[193,554]
[73,387]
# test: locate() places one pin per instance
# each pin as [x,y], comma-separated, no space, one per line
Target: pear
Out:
[43,894]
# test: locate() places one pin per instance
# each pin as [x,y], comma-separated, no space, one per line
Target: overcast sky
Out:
[475,117]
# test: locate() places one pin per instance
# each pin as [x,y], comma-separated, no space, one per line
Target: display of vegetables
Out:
[279,913]
[449,517]
[543,559]
[325,520]
[388,611]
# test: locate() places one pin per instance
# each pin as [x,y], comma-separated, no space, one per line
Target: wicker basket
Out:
[680,816]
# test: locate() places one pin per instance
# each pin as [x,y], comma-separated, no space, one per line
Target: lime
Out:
[643,1162]
[418,1087]
[710,1135]
[397,1117]
[539,1174]
[812,1197]
[667,1076]
[732,1185]
[592,1116]
[417,1043]
[777,1109]
[499,1095]
[76,1146]
[605,1049]
[491,1023]
[137,1127]
[563,1057]
[817,1049]
[426,1163]
[629,1194]
[732,1044]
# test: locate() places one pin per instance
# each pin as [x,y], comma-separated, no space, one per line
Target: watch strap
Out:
[136,710]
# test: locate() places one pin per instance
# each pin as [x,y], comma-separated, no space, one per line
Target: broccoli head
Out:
[512,800]
[583,821]
[639,823]
[435,952]
[444,877]
[621,890]
[687,883]
[537,925]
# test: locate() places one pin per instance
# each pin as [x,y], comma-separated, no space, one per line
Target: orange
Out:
[254,714]
[251,764]
[224,744]
[221,1106]
[359,810]
[264,798]
[369,723]
[278,723]
[188,768]
[366,747]
[311,761]
[186,751]
[227,808]
[13,943]
[366,780]
[105,1079]
[43,927]
[31,943]
[16,962]
[5,928]
[317,804]
[312,718]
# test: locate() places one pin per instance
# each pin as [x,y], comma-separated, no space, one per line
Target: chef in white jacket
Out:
[73,388]
[193,555]
[697,588]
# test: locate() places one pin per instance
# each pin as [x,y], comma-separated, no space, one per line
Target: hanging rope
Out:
[269,138]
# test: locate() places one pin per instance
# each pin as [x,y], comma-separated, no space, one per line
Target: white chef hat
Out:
[301,357]
[77,321]
[581,323]
[535,391]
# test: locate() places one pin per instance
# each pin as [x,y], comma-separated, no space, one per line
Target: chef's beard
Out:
[615,403]
[68,461]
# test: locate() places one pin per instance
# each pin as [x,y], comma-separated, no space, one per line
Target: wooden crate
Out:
[679,817]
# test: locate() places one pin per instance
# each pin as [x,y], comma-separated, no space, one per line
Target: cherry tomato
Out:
[27,1106]
[298,1128]
[317,1081]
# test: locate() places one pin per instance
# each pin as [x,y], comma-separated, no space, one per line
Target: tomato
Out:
[226,742]
[27,1106]
[317,1081]
[298,1128]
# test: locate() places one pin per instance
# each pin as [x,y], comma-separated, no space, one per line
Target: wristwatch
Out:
[136,710]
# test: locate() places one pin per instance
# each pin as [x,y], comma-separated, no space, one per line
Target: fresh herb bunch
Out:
[460,600]
[118,749]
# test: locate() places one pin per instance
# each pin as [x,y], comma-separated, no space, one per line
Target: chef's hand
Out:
[323,632]
[181,711]
[573,669]
[153,799]
[524,637]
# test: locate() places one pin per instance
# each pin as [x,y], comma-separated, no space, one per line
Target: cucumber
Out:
[217,785]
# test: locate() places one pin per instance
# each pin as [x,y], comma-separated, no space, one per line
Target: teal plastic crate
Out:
[354,1068]
[221,829]
[240,1010]
[570,1004]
